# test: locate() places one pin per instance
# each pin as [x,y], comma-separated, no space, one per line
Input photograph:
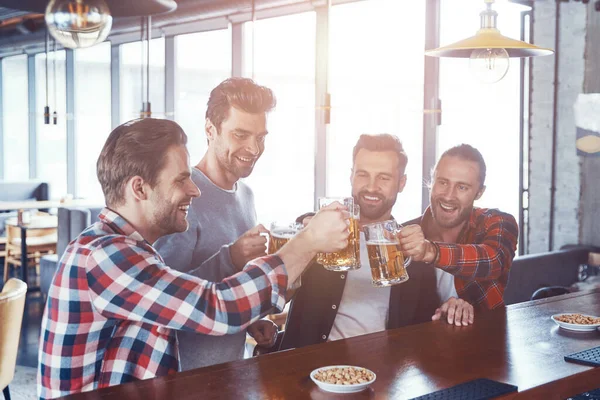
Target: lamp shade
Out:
[488,38]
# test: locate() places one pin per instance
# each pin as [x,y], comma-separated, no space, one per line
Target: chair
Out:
[39,242]
[12,306]
[71,222]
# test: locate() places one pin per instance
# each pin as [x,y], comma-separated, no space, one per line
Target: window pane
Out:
[284,60]
[15,118]
[92,115]
[130,70]
[52,139]
[194,80]
[376,81]
[485,116]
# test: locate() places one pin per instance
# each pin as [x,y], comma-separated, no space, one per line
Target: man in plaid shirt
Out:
[471,248]
[113,306]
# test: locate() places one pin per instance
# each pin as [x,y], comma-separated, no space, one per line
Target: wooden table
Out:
[521,346]
[44,204]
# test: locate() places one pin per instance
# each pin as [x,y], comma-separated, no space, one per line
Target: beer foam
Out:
[284,234]
[380,241]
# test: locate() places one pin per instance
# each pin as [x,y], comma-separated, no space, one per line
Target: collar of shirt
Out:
[119,224]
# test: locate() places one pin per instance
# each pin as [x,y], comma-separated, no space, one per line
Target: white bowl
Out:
[575,327]
[335,388]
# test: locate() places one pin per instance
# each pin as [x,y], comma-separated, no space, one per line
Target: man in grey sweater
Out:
[221,241]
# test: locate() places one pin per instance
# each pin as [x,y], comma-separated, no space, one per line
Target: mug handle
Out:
[397,229]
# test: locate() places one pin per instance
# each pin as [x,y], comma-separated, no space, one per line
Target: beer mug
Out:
[386,259]
[281,233]
[349,257]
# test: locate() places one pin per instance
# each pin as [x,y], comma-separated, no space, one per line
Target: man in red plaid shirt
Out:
[472,248]
[114,306]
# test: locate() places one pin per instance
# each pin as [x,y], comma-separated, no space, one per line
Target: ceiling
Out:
[24,17]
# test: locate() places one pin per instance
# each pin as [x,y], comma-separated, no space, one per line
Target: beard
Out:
[374,212]
[167,217]
[448,221]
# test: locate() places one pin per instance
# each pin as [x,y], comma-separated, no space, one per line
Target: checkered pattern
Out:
[114,306]
[481,259]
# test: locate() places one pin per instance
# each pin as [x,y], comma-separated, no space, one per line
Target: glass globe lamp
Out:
[78,23]
[489,65]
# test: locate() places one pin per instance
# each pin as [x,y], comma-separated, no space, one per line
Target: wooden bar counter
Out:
[521,346]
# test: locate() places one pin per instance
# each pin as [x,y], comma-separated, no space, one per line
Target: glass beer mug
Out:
[387,261]
[281,233]
[348,258]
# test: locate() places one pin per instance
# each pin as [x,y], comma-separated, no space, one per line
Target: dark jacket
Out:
[314,307]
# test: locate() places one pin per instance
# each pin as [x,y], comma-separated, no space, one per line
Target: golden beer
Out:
[387,263]
[346,259]
[279,237]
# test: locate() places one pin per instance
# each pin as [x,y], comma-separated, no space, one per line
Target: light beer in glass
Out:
[348,258]
[387,262]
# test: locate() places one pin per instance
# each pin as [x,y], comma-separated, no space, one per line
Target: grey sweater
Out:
[217,218]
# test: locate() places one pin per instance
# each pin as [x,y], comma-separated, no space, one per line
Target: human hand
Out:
[249,246]
[458,312]
[264,332]
[328,229]
[413,244]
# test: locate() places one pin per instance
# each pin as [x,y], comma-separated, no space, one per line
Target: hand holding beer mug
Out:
[349,257]
[386,259]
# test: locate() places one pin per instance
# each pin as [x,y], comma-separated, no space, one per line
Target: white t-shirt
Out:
[363,308]
[445,285]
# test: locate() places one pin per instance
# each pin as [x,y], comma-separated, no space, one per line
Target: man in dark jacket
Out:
[336,305]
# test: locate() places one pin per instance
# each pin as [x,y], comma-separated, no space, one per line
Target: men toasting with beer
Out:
[471,248]
[114,305]
[223,234]
[336,305]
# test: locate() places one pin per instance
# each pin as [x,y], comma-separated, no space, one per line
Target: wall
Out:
[567,79]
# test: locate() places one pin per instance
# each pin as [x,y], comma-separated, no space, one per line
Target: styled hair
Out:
[241,93]
[382,142]
[135,148]
[468,153]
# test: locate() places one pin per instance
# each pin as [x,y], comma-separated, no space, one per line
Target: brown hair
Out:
[382,142]
[135,148]
[241,93]
[468,153]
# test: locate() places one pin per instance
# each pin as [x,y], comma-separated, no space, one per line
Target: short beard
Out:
[462,217]
[375,214]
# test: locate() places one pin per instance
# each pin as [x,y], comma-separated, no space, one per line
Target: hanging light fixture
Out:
[78,23]
[489,50]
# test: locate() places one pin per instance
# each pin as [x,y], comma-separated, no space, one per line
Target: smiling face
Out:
[239,143]
[455,188]
[173,193]
[376,182]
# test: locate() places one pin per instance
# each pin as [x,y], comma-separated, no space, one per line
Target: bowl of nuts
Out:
[343,378]
[577,322]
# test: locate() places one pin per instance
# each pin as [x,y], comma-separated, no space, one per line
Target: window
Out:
[202,61]
[92,115]
[51,139]
[284,60]
[376,85]
[131,56]
[485,116]
[16,118]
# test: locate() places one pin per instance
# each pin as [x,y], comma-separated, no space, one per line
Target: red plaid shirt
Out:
[480,260]
[114,306]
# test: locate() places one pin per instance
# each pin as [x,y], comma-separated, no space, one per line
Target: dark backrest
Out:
[29,190]
[71,222]
[532,272]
